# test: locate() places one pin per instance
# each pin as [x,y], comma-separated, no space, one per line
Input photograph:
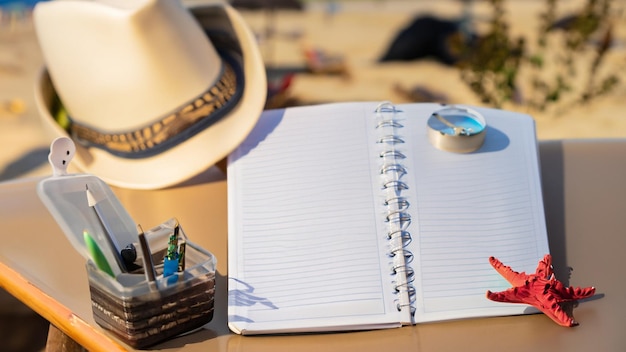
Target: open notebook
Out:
[317,242]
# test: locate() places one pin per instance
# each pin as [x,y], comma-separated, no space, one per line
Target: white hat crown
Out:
[119,65]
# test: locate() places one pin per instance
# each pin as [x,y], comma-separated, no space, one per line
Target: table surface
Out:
[585,205]
[585,202]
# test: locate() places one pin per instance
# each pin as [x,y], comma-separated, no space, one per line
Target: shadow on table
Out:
[24,164]
[21,329]
[553,178]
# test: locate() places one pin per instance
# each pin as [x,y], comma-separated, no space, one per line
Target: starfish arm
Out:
[549,305]
[509,296]
[570,293]
[544,268]
[513,277]
[582,292]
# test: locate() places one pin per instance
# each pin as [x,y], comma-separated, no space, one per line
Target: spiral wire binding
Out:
[389,123]
[397,218]
[400,202]
[393,168]
[390,139]
[392,154]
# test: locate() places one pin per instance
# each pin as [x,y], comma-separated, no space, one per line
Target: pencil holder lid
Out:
[90,215]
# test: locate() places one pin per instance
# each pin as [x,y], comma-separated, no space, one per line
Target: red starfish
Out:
[541,290]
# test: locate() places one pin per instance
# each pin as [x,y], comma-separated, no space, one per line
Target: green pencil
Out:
[96,254]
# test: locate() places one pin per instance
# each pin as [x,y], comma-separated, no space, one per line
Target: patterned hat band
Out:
[172,129]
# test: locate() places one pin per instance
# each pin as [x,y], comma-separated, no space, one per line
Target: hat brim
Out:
[194,155]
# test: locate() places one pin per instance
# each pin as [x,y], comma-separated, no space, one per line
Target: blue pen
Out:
[171,260]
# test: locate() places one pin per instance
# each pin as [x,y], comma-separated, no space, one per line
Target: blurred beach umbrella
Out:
[434,37]
[429,37]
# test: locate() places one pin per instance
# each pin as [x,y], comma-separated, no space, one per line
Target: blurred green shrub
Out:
[500,68]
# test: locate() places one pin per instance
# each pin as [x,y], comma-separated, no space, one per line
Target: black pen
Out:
[148,264]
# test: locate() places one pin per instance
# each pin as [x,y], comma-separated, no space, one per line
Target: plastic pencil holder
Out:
[142,312]
[133,294]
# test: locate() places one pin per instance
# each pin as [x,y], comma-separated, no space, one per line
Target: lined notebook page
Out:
[470,207]
[304,246]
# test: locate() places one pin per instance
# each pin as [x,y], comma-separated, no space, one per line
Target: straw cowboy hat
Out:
[151,91]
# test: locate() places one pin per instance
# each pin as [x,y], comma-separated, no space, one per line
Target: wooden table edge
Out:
[57,314]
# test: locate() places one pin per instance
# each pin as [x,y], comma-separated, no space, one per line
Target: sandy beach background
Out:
[357,31]
[360,32]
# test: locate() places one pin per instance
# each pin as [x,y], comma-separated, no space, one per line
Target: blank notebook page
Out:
[306,224]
